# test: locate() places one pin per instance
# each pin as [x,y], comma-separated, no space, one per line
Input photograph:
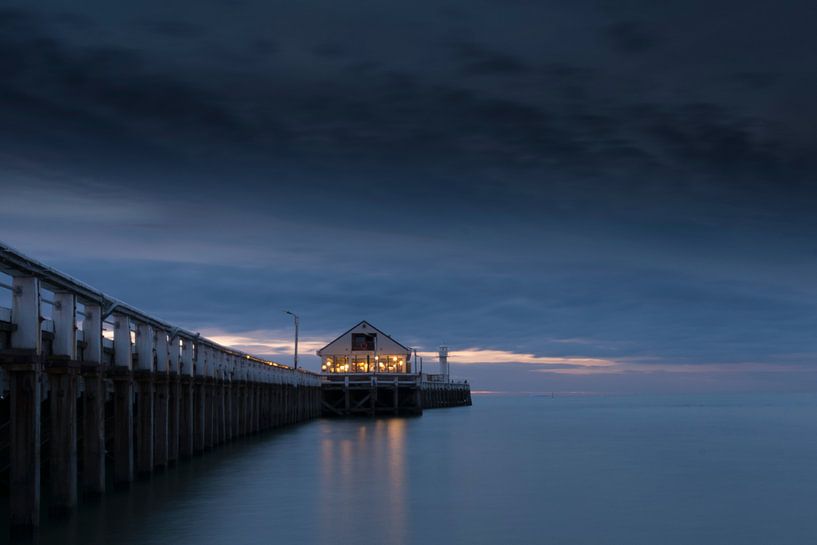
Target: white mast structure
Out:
[443,355]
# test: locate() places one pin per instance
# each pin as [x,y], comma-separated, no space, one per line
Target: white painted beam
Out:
[25,313]
[187,358]
[123,356]
[144,347]
[174,355]
[92,333]
[162,355]
[65,325]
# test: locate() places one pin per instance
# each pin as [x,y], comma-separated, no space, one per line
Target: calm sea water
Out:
[625,470]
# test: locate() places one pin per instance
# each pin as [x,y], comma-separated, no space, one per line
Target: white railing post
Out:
[186,368]
[123,355]
[144,347]
[65,325]
[92,333]
[93,402]
[25,314]
[173,356]
[162,355]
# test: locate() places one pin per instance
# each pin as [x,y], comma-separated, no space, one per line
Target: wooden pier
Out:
[371,394]
[367,372]
[97,392]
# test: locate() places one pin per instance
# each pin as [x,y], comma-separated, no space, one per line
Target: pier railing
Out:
[347,394]
[53,314]
[100,378]
[402,378]
[438,378]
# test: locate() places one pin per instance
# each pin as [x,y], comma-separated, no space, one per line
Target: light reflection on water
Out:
[640,471]
[363,480]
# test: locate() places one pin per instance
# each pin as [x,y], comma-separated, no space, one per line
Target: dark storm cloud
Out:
[477,60]
[171,28]
[110,90]
[627,182]
[710,136]
[329,50]
[630,37]
[385,113]
[757,80]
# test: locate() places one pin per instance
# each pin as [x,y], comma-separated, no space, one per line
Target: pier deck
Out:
[371,394]
[97,391]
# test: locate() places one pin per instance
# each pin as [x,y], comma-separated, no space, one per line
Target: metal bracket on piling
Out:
[108,311]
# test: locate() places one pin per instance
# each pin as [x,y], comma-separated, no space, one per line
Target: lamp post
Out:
[297,323]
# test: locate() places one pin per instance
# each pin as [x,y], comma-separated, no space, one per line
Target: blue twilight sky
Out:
[576,196]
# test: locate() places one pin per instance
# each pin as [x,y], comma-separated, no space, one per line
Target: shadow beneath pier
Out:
[122,514]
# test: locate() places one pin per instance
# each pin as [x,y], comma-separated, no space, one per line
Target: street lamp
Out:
[297,322]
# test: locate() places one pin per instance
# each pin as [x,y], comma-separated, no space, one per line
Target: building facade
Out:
[365,349]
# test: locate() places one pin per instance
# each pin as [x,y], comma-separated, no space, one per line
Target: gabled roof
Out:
[367,324]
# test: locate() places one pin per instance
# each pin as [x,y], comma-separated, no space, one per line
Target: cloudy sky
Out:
[576,196]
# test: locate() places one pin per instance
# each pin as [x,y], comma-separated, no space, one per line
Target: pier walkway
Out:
[94,391]
[370,394]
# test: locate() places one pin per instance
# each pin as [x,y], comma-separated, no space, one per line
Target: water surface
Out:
[626,470]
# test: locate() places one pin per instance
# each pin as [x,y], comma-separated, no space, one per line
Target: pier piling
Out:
[100,382]
[62,438]
[25,431]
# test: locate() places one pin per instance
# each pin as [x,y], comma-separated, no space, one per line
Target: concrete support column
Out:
[187,399]
[236,405]
[144,423]
[261,410]
[25,397]
[274,402]
[250,406]
[254,405]
[173,417]
[174,400]
[93,425]
[346,401]
[186,417]
[25,431]
[62,379]
[279,404]
[123,401]
[63,438]
[218,400]
[222,406]
[242,404]
[209,412]
[267,405]
[123,424]
[93,404]
[199,403]
[146,390]
[396,396]
[199,408]
[228,398]
[161,403]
